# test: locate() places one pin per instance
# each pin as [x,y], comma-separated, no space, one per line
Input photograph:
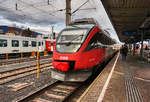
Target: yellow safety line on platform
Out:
[101,96]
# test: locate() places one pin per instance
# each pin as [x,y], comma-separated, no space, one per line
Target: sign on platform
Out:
[129,33]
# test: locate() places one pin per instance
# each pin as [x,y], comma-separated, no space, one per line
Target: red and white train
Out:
[50,44]
[79,49]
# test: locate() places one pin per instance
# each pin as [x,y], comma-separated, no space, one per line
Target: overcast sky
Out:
[39,15]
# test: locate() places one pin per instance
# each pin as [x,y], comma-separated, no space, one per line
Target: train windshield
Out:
[70,40]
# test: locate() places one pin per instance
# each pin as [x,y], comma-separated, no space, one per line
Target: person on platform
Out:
[124,52]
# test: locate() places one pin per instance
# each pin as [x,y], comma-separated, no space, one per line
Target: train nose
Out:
[63,66]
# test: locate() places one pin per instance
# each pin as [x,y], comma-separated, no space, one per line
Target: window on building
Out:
[33,43]
[15,43]
[3,43]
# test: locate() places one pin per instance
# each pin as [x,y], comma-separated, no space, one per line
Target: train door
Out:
[91,53]
[15,45]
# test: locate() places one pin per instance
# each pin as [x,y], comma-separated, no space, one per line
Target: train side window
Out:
[104,39]
[45,37]
[15,43]
[39,43]
[101,38]
[33,43]
[3,43]
[93,43]
[25,43]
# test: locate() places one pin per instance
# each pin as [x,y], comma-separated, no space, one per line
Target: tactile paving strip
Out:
[132,92]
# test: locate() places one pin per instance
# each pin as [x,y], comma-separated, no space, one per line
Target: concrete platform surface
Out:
[129,82]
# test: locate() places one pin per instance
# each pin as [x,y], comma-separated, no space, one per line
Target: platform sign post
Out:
[38,70]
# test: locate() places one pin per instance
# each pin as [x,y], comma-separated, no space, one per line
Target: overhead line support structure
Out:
[68,12]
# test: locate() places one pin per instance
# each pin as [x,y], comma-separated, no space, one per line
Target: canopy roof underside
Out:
[129,16]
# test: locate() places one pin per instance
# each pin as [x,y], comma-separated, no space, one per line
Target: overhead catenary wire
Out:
[31,5]
[37,9]
[3,1]
[80,7]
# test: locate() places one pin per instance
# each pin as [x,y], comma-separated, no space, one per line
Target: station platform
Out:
[121,81]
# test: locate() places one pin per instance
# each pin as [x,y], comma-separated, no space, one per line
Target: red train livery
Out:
[50,44]
[78,50]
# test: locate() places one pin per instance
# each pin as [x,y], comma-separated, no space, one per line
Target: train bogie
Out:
[78,76]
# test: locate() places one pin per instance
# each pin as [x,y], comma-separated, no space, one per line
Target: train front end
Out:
[67,55]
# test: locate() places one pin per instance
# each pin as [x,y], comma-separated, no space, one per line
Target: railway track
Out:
[59,92]
[19,60]
[10,75]
[56,92]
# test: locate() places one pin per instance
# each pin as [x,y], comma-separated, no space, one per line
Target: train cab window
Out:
[3,43]
[39,43]
[15,43]
[25,43]
[33,43]
[42,43]
[70,40]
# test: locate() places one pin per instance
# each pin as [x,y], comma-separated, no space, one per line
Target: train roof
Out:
[81,26]
[16,37]
[84,21]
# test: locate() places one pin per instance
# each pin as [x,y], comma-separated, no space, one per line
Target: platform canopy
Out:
[129,18]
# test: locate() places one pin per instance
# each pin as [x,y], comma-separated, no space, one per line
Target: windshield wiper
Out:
[67,44]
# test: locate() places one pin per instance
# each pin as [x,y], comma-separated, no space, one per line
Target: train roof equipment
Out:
[83,21]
